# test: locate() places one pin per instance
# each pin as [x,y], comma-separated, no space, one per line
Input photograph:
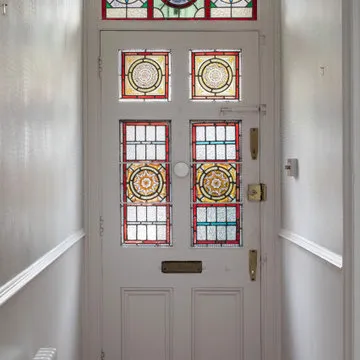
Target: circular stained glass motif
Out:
[215,75]
[179,4]
[145,75]
[146,183]
[216,183]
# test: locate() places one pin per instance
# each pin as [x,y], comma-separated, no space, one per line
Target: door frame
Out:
[269,31]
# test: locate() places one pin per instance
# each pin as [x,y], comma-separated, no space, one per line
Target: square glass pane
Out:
[216,183]
[215,75]
[145,76]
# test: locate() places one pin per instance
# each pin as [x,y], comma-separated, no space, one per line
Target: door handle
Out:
[252,264]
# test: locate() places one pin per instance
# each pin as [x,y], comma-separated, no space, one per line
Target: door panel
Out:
[148,313]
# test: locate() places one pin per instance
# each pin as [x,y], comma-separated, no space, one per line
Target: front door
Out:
[177,112]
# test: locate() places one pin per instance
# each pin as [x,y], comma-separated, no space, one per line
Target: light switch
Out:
[292,168]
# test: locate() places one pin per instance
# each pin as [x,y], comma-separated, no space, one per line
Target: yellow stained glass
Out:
[216,183]
[145,75]
[146,182]
[215,75]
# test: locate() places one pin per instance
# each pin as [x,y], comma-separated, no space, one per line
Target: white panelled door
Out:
[177,111]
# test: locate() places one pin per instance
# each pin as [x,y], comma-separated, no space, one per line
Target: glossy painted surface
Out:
[312,126]
[40,129]
[212,315]
[46,312]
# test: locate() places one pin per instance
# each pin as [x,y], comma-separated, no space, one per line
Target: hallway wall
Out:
[312,217]
[46,313]
[40,129]
[41,178]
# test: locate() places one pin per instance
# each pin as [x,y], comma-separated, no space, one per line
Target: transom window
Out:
[179,9]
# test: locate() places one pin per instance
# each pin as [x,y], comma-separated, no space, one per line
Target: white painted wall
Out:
[40,129]
[46,312]
[312,131]
[312,119]
[41,174]
[312,299]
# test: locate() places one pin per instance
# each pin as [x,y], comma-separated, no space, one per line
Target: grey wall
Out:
[40,129]
[312,319]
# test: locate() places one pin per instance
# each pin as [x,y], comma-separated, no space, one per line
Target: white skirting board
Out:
[14,285]
[315,249]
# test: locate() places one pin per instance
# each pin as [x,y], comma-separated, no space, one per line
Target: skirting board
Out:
[315,249]
[14,285]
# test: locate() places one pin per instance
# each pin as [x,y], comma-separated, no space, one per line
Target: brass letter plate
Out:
[181,267]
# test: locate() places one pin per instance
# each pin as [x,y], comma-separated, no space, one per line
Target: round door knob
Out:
[181,169]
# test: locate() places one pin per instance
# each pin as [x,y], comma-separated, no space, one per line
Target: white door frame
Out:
[351,173]
[269,30]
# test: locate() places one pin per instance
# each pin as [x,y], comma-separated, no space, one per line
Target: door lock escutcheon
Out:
[257,192]
[253,264]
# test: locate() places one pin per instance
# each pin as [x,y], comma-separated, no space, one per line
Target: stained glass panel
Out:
[144,75]
[145,178]
[215,75]
[179,9]
[216,182]
[216,186]
[146,182]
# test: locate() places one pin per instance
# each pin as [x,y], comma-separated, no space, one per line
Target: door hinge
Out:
[101,227]
[102,356]
[99,65]
[257,192]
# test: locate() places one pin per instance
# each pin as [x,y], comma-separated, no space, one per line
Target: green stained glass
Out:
[180,9]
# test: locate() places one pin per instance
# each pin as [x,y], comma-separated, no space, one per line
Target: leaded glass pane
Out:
[146,202]
[214,144]
[180,9]
[144,75]
[215,75]
[217,182]
[216,186]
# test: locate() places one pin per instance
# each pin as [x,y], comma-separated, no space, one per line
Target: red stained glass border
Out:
[166,75]
[207,14]
[125,204]
[215,53]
